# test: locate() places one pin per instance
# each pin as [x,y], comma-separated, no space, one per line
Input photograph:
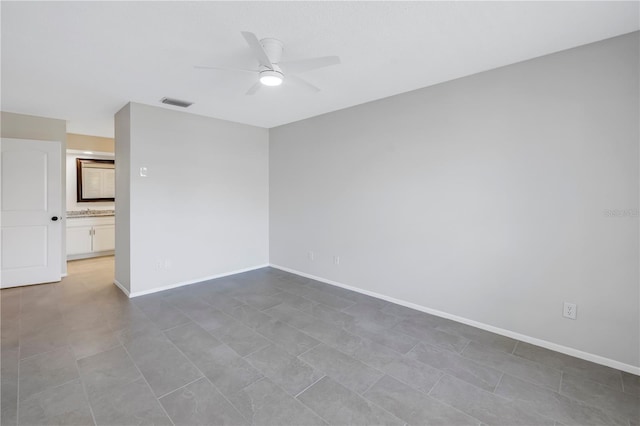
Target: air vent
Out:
[176,102]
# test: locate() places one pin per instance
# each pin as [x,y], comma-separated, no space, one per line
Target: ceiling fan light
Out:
[271,78]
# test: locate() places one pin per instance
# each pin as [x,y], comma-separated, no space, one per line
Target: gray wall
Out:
[203,209]
[21,126]
[483,197]
[123,195]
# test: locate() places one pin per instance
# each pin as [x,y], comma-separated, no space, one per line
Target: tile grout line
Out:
[584,403]
[255,330]
[305,389]
[84,390]
[206,378]
[577,401]
[372,385]
[357,360]
[45,352]
[181,387]
[436,383]
[374,403]
[413,387]
[310,349]
[310,408]
[581,402]
[53,387]
[465,347]
[498,384]
[412,348]
[324,293]
[514,374]
[104,350]
[254,351]
[513,352]
[480,422]
[179,325]
[561,379]
[316,303]
[446,404]
[294,328]
[145,380]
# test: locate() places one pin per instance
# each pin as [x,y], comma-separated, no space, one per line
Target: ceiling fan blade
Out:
[304,65]
[253,89]
[303,83]
[257,49]
[207,67]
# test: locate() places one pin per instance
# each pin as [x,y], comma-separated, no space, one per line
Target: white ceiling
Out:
[82,61]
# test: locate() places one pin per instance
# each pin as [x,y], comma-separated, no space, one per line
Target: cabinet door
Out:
[78,240]
[104,238]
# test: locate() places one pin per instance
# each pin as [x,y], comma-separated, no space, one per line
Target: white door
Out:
[31,232]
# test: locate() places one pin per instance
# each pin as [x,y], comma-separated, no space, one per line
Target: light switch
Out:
[143,171]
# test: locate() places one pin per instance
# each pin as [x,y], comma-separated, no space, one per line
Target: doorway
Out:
[90,205]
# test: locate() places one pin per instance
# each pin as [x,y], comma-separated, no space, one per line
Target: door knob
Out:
[54,218]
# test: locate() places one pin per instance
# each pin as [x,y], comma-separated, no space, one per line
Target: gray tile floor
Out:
[271,348]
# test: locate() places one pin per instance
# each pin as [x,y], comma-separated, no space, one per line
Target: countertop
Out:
[89,213]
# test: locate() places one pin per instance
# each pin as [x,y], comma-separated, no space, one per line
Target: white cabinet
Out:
[79,239]
[90,236]
[104,238]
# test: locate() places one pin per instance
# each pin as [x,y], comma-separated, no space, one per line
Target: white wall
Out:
[203,209]
[483,197]
[72,176]
[123,194]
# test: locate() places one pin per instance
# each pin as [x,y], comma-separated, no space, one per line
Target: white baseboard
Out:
[501,331]
[195,281]
[121,287]
[90,255]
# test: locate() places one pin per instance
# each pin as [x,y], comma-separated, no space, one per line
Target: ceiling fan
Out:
[272,71]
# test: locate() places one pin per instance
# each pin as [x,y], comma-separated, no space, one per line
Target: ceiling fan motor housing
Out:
[273,48]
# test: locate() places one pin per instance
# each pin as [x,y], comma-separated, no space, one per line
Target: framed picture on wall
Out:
[95,180]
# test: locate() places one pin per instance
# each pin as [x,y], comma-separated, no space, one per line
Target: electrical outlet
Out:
[163,264]
[312,256]
[570,310]
[336,260]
